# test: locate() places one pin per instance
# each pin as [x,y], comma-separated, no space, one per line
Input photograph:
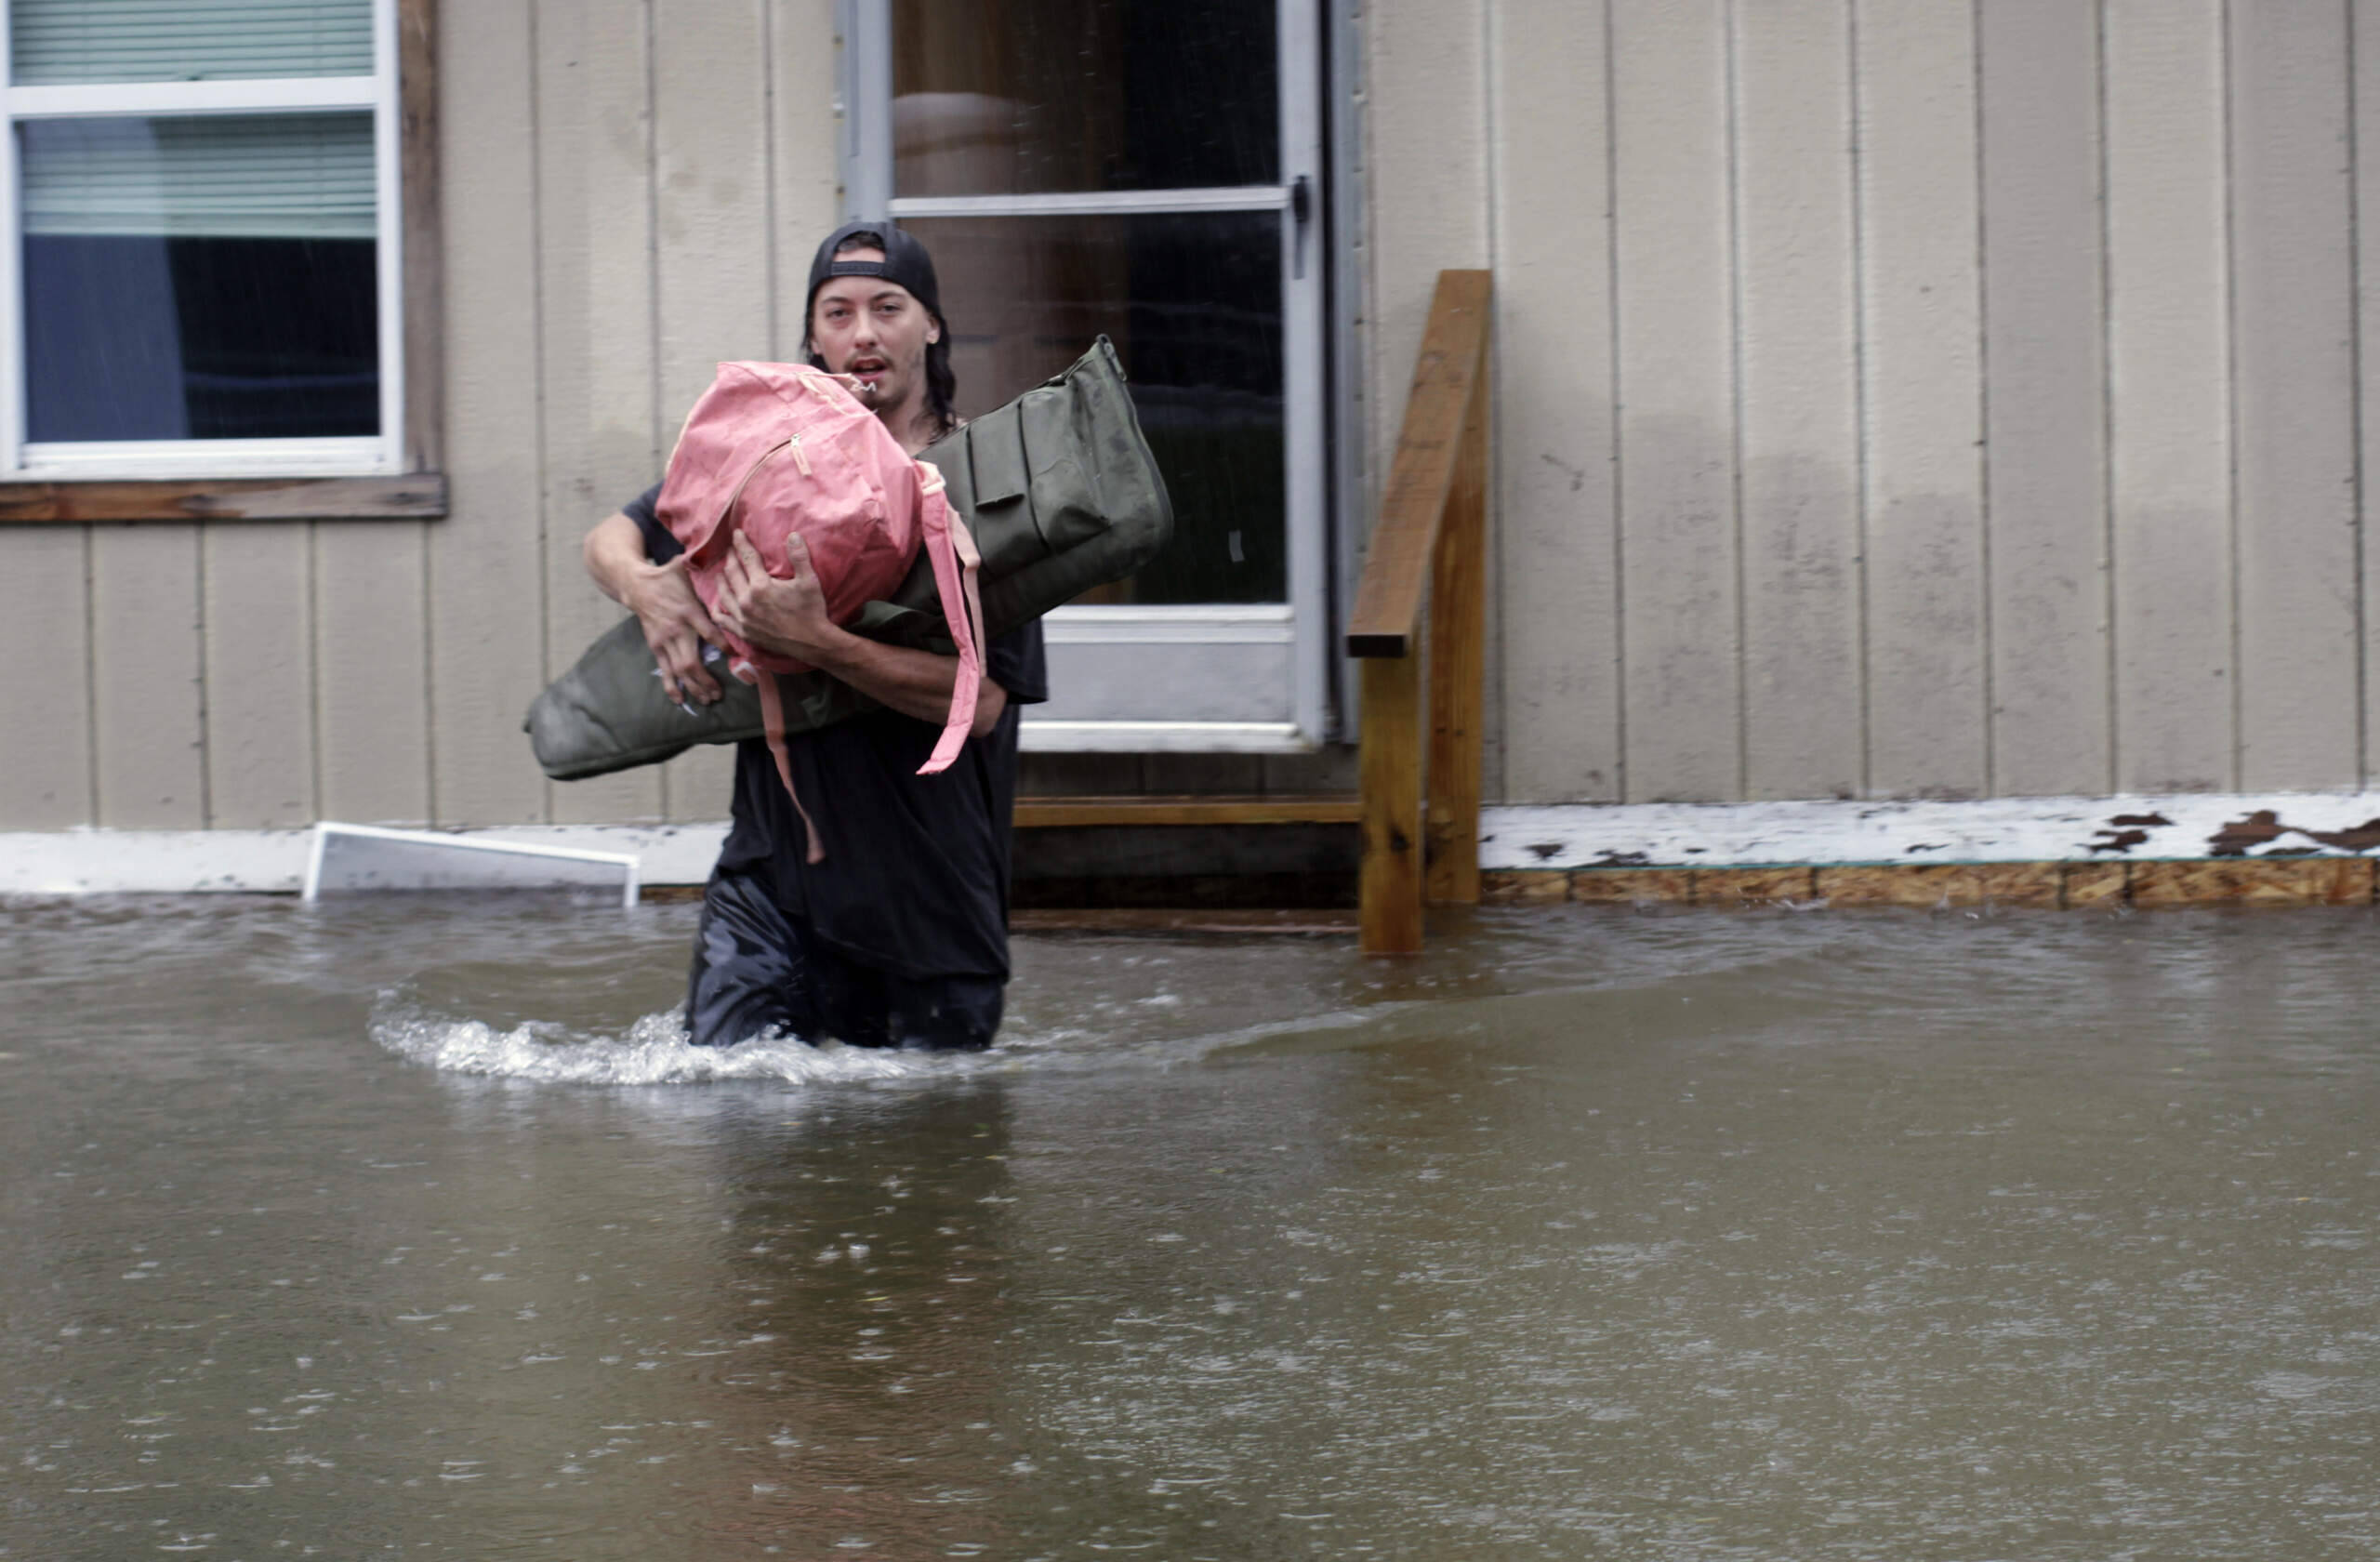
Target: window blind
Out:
[288,175]
[55,42]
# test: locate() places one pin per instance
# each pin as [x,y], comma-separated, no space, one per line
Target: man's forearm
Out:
[614,556]
[913,682]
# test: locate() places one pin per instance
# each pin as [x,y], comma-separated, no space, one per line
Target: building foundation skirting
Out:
[2314,881]
[2192,848]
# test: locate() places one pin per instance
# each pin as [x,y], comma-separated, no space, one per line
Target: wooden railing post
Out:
[1430,541]
[1458,649]
[1389,773]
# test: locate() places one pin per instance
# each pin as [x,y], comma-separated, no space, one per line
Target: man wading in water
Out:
[899,938]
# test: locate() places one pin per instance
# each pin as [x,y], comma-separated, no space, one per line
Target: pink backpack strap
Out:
[773,723]
[952,551]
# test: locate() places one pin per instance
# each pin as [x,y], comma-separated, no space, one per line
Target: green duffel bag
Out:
[1061,495]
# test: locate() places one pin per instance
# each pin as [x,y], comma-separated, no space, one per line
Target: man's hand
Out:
[788,616]
[664,601]
[675,626]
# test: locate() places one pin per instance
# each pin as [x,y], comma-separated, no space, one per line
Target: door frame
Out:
[1312,315]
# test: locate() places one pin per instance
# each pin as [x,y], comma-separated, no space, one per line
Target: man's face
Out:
[875,331]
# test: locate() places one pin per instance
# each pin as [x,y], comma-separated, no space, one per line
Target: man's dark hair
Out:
[913,268]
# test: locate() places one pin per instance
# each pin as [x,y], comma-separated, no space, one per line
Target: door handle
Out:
[1301,218]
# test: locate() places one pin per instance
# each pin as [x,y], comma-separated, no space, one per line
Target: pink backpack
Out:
[773,449]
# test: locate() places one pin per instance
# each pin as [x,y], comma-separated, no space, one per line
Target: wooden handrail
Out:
[1397,562]
[1430,543]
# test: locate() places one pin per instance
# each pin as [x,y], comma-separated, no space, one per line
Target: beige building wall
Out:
[1902,397]
[1894,397]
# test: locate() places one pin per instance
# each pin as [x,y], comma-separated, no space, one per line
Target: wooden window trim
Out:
[420,493]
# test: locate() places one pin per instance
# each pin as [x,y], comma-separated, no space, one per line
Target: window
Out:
[203,273]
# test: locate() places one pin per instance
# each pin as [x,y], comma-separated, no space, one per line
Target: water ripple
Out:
[654,1050]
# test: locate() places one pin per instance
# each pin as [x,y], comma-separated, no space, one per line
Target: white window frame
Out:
[379,455]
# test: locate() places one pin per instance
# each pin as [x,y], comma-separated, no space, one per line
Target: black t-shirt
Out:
[914,880]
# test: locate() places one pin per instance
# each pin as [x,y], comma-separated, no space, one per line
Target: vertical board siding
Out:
[371,673]
[1798,441]
[2043,353]
[804,185]
[45,707]
[2168,419]
[1428,193]
[1555,606]
[1675,335]
[147,670]
[2293,396]
[711,246]
[602,429]
[2363,39]
[486,585]
[1928,662]
[259,694]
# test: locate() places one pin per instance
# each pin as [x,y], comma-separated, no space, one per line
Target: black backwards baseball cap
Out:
[905,262]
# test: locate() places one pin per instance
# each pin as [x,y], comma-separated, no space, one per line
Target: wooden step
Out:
[1152,920]
[1294,808]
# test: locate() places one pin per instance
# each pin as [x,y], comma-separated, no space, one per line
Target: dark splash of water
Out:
[413,1227]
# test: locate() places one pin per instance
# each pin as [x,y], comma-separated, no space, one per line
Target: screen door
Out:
[1149,170]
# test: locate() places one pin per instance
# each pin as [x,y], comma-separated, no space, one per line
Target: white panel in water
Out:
[351,857]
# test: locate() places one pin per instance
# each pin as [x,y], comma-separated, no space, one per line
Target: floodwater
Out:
[407,1228]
